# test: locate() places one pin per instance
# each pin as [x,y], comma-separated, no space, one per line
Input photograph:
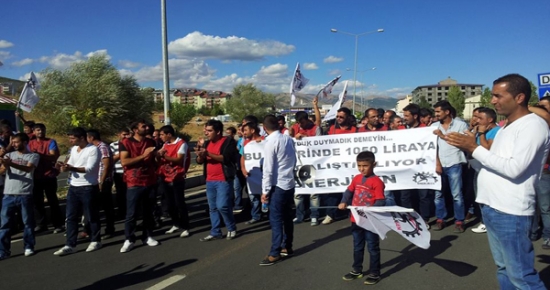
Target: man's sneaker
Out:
[372,279]
[439,225]
[93,246]
[29,252]
[270,260]
[296,221]
[238,210]
[352,276]
[59,230]
[172,230]
[251,222]
[546,244]
[185,234]
[231,235]
[127,247]
[327,221]
[480,229]
[287,252]
[314,222]
[210,238]
[40,228]
[150,242]
[459,227]
[66,250]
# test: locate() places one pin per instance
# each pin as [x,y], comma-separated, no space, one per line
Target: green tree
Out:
[181,114]
[423,103]
[456,97]
[249,100]
[485,100]
[91,93]
[534,99]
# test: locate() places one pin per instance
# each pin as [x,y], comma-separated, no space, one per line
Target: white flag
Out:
[297,84]
[341,99]
[327,90]
[28,98]
[404,221]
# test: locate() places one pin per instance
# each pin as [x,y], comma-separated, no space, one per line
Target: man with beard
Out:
[83,164]
[18,167]
[218,156]
[174,160]
[137,156]
[372,121]
[45,180]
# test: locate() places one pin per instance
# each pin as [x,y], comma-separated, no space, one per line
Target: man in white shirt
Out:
[278,189]
[509,173]
[83,165]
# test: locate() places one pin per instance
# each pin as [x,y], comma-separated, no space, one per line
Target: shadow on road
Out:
[341,233]
[545,273]
[136,275]
[412,255]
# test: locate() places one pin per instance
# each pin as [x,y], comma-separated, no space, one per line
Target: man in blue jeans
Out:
[278,190]
[19,168]
[83,165]
[449,166]
[507,180]
[218,156]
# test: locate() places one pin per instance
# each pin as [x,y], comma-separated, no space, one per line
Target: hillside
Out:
[385,102]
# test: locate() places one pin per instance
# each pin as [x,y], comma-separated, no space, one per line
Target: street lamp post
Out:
[333,30]
[362,96]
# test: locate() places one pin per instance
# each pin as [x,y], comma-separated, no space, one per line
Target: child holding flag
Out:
[366,189]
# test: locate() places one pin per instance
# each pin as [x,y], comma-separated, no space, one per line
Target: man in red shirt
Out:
[372,121]
[45,180]
[395,123]
[174,160]
[387,116]
[305,128]
[251,133]
[137,156]
[218,156]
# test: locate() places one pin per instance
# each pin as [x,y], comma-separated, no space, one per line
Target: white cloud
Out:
[27,76]
[23,62]
[198,45]
[310,66]
[5,44]
[63,61]
[333,59]
[183,72]
[5,55]
[335,72]
[128,64]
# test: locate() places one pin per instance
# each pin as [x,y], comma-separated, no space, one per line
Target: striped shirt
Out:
[105,152]
[118,165]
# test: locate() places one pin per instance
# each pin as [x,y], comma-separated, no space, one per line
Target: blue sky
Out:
[219,44]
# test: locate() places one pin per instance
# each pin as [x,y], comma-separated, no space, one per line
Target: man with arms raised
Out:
[509,174]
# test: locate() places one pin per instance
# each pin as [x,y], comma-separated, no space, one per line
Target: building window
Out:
[463,87]
[439,94]
[429,94]
[439,88]
[429,89]
[445,94]
[473,88]
[446,88]
[473,93]
[430,100]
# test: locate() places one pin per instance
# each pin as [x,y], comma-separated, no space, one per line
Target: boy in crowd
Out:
[366,189]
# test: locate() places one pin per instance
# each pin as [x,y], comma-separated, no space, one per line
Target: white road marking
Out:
[167,282]
[16,240]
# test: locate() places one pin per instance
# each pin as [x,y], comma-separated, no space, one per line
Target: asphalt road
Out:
[323,256]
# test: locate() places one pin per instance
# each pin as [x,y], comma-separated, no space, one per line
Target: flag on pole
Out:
[327,90]
[341,99]
[29,98]
[404,221]
[297,84]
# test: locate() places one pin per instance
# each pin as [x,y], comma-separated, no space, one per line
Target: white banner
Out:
[405,159]
[382,219]
[341,99]
[28,98]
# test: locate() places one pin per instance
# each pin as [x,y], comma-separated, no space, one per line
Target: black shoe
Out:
[372,279]
[59,230]
[270,260]
[251,222]
[39,229]
[287,252]
[352,276]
